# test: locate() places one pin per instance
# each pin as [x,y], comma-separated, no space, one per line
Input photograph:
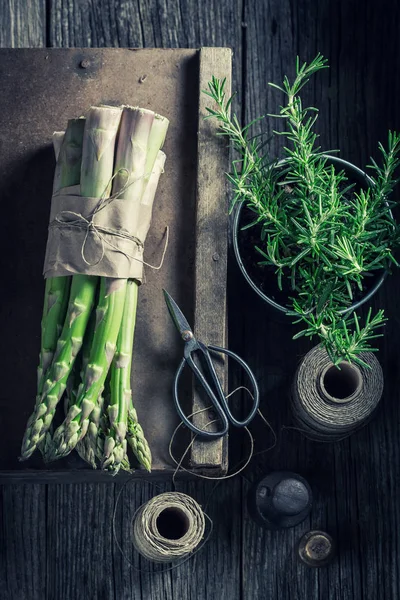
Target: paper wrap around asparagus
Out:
[104,236]
[108,167]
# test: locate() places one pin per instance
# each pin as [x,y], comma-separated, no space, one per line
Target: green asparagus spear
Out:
[83,289]
[57,288]
[68,150]
[58,137]
[135,435]
[108,320]
[137,440]
[103,431]
[121,395]
[70,157]
[99,139]
[156,141]
[130,168]
[91,447]
[87,446]
[102,123]
[84,448]
[120,382]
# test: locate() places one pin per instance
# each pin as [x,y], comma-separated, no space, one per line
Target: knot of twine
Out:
[323,418]
[151,544]
[69,218]
[63,219]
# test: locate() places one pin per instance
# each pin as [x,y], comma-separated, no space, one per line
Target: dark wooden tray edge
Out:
[211,247]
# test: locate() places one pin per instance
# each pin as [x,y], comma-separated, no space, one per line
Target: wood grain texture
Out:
[356,482]
[211,252]
[215,571]
[120,24]
[195,264]
[23,545]
[149,23]
[353,481]
[197,578]
[79,538]
[23,24]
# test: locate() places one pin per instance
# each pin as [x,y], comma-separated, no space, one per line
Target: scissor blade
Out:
[177,315]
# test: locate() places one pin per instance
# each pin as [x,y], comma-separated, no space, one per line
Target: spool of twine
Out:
[170,526]
[330,404]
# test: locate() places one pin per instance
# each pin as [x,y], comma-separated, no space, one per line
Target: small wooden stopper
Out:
[316,549]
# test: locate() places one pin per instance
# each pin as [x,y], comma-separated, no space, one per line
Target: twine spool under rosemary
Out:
[328,403]
[168,527]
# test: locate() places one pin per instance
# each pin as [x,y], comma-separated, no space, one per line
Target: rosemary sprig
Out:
[318,231]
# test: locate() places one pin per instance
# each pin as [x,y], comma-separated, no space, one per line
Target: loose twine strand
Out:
[240,466]
[144,529]
[81,222]
[145,535]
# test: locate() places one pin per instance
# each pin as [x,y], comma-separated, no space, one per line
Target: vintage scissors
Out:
[217,397]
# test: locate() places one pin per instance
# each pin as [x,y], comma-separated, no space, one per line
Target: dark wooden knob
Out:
[279,500]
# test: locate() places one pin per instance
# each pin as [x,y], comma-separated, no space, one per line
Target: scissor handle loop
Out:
[255,390]
[220,403]
[200,432]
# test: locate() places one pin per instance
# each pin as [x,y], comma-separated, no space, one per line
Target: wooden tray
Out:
[41,89]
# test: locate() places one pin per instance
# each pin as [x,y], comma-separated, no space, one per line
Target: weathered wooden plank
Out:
[95,24]
[159,25]
[211,248]
[3,557]
[149,23]
[23,24]
[214,572]
[199,577]
[79,541]
[183,24]
[136,580]
[84,475]
[174,73]
[355,481]
[23,508]
[23,546]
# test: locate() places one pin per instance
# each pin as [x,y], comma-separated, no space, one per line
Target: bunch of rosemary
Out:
[319,231]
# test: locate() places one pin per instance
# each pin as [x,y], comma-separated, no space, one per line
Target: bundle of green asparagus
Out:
[88,321]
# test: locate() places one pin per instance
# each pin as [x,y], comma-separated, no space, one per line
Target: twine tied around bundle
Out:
[69,218]
[63,220]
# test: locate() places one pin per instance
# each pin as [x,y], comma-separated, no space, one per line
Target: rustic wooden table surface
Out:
[57,540]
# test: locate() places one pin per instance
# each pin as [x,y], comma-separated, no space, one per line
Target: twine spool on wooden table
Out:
[170,526]
[329,404]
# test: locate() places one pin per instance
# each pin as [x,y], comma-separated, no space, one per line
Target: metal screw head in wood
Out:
[316,549]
